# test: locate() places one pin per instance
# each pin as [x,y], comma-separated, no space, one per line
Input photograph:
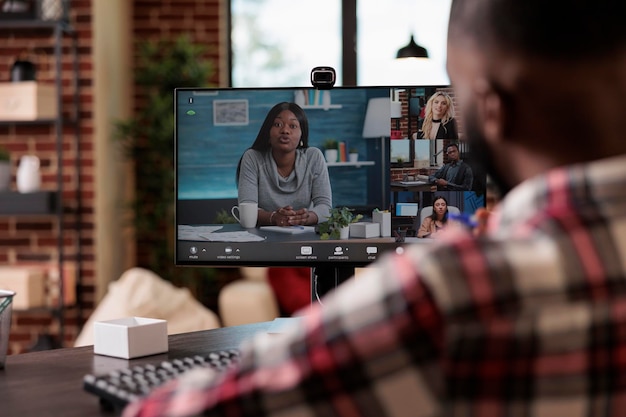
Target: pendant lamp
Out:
[412,50]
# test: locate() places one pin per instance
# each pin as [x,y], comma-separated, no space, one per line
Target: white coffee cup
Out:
[248,213]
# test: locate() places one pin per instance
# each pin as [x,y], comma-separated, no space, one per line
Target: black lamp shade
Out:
[412,50]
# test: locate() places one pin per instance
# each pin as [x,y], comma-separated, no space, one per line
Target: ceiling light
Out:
[412,50]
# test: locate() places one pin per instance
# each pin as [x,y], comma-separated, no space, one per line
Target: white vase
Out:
[353,157]
[344,232]
[298,98]
[331,155]
[326,99]
[5,175]
[28,177]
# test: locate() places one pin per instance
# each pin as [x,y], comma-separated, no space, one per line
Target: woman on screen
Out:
[439,122]
[287,179]
[437,221]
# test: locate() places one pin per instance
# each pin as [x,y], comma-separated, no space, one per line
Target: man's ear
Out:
[491,111]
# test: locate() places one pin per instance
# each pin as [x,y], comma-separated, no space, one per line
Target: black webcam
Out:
[323,78]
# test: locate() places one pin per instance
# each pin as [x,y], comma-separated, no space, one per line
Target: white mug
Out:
[248,213]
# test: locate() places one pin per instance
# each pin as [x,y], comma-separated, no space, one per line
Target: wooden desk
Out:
[50,383]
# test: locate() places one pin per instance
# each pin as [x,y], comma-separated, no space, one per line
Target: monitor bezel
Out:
[294,260]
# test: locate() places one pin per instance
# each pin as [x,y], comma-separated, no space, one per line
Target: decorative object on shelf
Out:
[18,9]
[343,152]
[27,101]
[331,150]
[326,99]
[353,155]
[33,10]
[23,69]
[5,169]
[298,98]
[339,218]
[52,9]
[28,177]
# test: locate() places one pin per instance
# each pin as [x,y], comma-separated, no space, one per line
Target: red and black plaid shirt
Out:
[530,320]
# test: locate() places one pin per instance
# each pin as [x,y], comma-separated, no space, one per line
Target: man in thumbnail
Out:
[454,175]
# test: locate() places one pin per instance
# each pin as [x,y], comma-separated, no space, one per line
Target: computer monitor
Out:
[388,182]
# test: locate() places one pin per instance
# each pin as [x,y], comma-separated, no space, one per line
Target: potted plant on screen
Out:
[5,169]
[338,224]
[331,150]
[353,155]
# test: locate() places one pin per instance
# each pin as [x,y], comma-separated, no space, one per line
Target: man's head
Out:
[452,150]
[541,84]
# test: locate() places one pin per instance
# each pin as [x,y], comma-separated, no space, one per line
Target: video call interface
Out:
[391,146]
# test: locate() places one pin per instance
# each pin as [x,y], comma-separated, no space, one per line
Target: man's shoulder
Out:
[467,274]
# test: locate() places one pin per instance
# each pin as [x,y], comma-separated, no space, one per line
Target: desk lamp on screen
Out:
[377,126]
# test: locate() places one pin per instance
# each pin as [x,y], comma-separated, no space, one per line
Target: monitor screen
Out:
[389,143]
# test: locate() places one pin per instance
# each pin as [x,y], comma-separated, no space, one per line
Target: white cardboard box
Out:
[384,219]
[130,337]
[364,229]
[29,284]
[27,100]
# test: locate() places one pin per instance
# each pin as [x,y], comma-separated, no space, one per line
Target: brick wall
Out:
[33,240]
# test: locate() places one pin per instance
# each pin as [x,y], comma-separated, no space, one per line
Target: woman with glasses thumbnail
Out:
[287,178]
[439,122]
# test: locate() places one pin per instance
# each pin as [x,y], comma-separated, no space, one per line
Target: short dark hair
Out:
[456,145]
[577,29]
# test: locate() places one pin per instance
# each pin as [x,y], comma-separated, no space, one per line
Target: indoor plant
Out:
[339,218]
[147,141]
[331,150]
[5,169]
[353,155]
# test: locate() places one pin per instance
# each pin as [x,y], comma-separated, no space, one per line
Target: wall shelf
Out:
[15,203]
[321,107]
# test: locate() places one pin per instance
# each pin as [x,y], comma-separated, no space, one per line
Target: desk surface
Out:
[50,383]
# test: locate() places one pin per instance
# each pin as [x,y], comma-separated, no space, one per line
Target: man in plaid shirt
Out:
[528,320]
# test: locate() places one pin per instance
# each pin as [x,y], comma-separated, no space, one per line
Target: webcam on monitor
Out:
[323,78]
